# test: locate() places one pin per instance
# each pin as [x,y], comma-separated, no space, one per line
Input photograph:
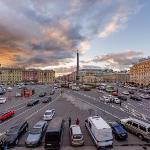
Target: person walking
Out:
[69,120]
[77,121]
[120,102]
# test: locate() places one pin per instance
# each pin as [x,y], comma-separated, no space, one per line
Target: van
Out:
[100,131]
[76,136]
[137,127]
[54,133]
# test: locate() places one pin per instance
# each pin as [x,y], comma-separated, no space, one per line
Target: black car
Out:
[36,134]
[42,94]
[15,132]
[33,102]
[46,100]
[134,97]
[119,132]
[122,97]
[131,92]
[52,92]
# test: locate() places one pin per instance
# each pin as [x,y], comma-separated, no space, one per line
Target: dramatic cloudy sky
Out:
[46,33]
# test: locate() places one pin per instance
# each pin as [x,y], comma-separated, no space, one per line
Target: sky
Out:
[46,34]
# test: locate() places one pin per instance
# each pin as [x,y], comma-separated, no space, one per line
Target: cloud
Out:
[120,60]
[46,33]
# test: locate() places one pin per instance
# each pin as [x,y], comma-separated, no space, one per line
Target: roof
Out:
[138,121]
[39,124]
[76,129]
[98,122]
[55,124]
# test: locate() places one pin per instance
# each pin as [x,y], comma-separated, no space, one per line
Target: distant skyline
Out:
[46,34]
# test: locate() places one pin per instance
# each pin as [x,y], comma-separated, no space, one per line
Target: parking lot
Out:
[74,104]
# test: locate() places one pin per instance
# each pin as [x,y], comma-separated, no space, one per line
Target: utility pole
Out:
[77,75]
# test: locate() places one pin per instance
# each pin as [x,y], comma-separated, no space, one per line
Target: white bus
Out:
[100,131]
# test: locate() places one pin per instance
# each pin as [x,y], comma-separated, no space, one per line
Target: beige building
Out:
[115,77]
[16,75]
[140,72]
[10,75]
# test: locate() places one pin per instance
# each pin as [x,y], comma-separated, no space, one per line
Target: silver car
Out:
[35,136]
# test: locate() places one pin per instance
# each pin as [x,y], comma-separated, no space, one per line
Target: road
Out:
[72,104]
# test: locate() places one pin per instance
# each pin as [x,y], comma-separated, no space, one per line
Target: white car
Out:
[18,94]
[9,89]
[144,96]
[2,100]
[116,100]
[49,114]
[106,99]
[125,93]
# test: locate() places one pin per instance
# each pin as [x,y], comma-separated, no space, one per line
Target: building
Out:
[140,72]
[10,75]
[16,75]
[122,77]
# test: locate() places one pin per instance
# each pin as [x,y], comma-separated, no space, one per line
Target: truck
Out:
[100,131]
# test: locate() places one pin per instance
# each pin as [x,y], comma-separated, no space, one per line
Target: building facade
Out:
[10,75]
[16,75]
[122,77]
[140,72]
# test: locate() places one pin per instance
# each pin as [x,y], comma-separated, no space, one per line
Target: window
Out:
[135,125]
[142,128]
[148,129]
[129,122]
[90,125]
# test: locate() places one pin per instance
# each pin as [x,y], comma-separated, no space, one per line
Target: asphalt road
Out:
[72,104]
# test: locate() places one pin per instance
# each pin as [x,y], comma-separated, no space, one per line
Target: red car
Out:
[4,116]
[114,93]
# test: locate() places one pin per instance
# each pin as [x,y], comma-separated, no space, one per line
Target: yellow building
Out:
[10,75]
[46,76]
[140,72]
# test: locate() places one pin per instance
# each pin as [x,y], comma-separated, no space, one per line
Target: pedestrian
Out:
[120,102]
[77,121]
[69,120]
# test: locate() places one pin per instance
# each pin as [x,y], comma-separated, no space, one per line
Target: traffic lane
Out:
[114,109]
[27,111]
[133,107]
[60,106]
[132,139]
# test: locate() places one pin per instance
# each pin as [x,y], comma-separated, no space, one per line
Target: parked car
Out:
[54,134]
[100,131]
[32,102]
[18,94]
[125,93]
[42,94]
[76,136]
[49,114]
[144,96]
[2,100]
[122,97]
[137,127]
[9,89]
[46,100]
[15,132]
[118,131]
[131,92]
[36,134]
[134,97]
[6,115]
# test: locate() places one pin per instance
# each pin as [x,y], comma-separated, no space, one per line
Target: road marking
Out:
[90,104]
[42,108]
[127,110]
[18,115]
